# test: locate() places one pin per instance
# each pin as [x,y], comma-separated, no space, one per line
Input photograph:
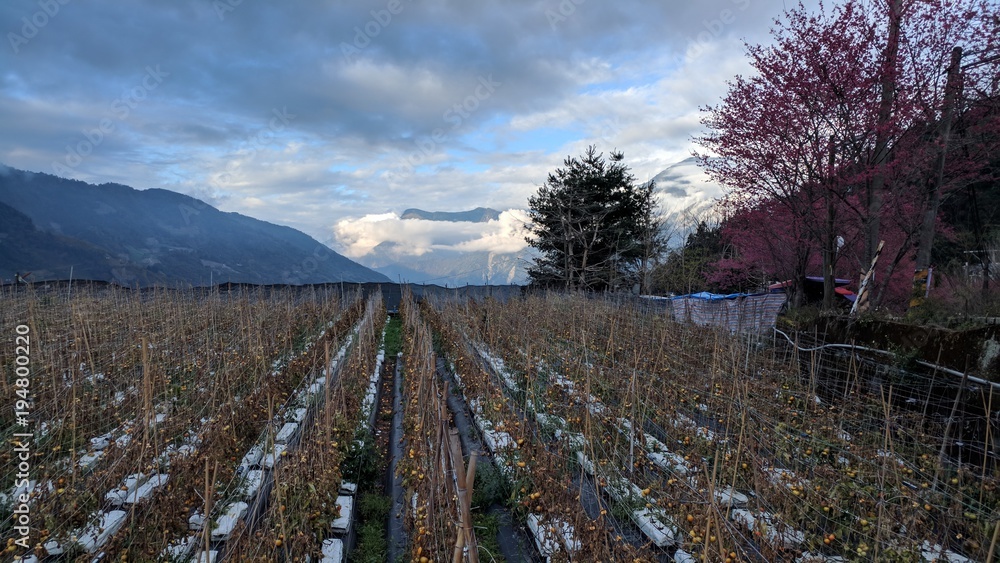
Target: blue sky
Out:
[318,114]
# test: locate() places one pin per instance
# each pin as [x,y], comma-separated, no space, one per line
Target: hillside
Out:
[117,233]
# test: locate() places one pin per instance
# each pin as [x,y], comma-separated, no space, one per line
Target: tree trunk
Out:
[952,88]
[829,239]
[874,200]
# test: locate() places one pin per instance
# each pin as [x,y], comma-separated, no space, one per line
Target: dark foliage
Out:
[592,225]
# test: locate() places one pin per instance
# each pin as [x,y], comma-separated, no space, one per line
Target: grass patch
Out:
[373,547]
[487,529]
[363,464]
[393,336]
[491,487]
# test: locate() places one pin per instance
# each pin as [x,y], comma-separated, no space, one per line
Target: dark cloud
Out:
[386,101]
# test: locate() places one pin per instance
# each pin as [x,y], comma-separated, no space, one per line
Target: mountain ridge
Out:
[477,215]
[114,232]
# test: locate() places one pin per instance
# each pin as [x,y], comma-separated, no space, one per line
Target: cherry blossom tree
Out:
[839,128]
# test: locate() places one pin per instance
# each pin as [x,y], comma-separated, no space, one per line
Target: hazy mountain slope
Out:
[159,236]
[449,267]
[477,215]
[23,248]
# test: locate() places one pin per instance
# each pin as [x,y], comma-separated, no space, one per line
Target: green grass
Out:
[373,546]
[363,464]
[491,487]
[487,527]
[393,337]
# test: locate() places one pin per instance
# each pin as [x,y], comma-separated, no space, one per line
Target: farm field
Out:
[306,424]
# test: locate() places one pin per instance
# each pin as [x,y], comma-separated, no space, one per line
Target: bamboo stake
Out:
[713,508]
[993,544]
[209,491]
[930,388]
[987,441]
[887,446]
[326,388]
[739,443]
[466,535]
[470,536]
[947,428]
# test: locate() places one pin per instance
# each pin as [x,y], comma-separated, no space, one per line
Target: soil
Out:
[396,528]
[513,540]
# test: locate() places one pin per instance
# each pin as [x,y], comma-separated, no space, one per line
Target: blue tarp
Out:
[715,296]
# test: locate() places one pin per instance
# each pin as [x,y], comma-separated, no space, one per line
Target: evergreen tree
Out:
[594,227]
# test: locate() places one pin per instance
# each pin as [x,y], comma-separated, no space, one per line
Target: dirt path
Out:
[514,542]
[397,530]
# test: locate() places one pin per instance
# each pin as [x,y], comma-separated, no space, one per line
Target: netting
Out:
[755,447]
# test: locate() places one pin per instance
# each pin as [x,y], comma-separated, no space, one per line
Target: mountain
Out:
[477,215]
[117,233]
[448,267]
[445,266]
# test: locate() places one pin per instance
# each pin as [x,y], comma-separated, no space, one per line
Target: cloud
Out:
[505,235]
[685,188]
[416,237]
[626,75]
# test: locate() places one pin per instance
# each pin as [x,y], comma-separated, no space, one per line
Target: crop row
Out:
[694,416]
[433,469]
[547,492]
[309,508]
[206,390]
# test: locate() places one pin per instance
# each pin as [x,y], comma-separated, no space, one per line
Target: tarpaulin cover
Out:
[738,312]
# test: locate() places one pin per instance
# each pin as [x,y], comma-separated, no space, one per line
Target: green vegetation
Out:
[593,226]
[363,463]
[687,268]
[487,528]
[393,337]
[491,487]
[373,511]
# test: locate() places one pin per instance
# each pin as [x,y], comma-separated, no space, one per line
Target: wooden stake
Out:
[947,428]
[209,491]
[466,535]
[470,537]
[993,544]
[988,442]
[326,389]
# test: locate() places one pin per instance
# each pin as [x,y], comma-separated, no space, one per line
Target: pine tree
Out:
[594,227]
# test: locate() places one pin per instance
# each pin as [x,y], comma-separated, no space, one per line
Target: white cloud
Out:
[505,235]
[415,237]
[625,75]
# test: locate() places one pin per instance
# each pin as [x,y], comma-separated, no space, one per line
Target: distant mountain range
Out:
[111,232]
[477,215]
[449,267]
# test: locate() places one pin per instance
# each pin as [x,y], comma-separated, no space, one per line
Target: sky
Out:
[334,117]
